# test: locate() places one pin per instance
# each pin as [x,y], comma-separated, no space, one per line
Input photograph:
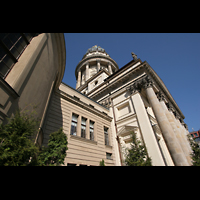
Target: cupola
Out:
[95,66]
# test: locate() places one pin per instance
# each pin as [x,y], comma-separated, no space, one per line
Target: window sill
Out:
[83,139]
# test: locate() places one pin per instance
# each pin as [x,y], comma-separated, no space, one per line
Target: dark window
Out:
[74,124]
[196,134]
[70,164]
[91,130]
[83,127]
[192,135]
[106,136]
[12,46]
[108,156]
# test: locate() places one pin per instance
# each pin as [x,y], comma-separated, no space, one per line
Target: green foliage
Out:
[17,146]
[195,155]
[137,154]
[55,153]
[102,163]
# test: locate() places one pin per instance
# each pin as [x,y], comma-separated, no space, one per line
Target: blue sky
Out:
[174,56]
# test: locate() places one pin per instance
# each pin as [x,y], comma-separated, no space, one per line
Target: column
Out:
[98,65]
[178,125]
[78,83]
[179,137]
[173,145]
[87,72]
[109,68]
[147,131]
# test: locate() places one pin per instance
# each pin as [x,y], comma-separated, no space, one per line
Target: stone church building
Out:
[108,103]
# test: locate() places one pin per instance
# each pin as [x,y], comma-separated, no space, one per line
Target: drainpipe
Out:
[40,131]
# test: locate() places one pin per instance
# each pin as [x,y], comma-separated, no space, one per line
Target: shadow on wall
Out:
[54,118]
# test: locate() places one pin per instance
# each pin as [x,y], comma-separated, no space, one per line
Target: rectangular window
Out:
[12,46]
[83,127]
[108,156]
[106,136]
[74,124]
[91,130]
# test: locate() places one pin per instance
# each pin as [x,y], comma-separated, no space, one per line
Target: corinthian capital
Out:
[160,96]
[147,82]
[135,87]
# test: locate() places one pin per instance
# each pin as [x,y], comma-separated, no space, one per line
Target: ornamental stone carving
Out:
[137,86]
[170,107]
[160,96]
[106,102]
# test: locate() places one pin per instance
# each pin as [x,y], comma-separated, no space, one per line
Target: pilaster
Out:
[145,127]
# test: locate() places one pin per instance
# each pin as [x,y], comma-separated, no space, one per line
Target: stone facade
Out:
[107,104]
[38,71]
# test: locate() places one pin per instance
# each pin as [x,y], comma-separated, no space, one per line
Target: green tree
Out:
[195,155]
[17,146]
[55,153]
[102,163]
[137,154]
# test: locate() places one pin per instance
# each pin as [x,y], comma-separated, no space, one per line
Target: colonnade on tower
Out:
[95,60]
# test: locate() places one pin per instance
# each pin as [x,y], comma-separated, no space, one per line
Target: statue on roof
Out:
[134,56]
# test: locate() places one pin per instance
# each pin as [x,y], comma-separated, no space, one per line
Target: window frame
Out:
[10,43]
[83,127]
[106,135]
[91,130]
[74,122]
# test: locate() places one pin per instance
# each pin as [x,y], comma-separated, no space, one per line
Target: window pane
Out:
[83,121]
[74,117]
[15,52]
[91,124]
[108,156]
[8,61]
[22,42]
[73,129]
[13,38]
[91,135]
[106,136]
[28,36]
[2,53]
[7,42]
[19,47]
[3,69]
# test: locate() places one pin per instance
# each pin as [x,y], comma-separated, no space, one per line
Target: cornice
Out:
[162,87]
[117,81]
[82,105]
[155,78]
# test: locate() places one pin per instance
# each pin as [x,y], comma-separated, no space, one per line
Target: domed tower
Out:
[95,66]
